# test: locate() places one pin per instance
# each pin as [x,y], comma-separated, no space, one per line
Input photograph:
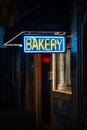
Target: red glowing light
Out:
[46,59]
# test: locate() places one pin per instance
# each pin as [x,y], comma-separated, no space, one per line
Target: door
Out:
[46,60]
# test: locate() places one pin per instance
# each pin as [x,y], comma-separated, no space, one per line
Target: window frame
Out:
[66,88]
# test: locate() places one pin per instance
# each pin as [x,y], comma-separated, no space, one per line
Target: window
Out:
[61,67]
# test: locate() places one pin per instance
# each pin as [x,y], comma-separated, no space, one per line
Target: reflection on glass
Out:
[61,71]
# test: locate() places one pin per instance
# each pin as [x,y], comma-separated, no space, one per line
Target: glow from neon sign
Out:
[44,44]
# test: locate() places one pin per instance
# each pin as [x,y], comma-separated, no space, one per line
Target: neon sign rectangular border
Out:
[46,51]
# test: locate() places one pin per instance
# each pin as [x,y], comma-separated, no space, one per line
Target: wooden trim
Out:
[37,60]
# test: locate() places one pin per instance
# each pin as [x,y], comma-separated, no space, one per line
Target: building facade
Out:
[53,86]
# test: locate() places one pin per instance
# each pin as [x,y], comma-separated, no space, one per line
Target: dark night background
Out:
[45,15]
[28,15]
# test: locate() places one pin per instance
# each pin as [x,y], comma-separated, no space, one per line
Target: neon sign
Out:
[44,44]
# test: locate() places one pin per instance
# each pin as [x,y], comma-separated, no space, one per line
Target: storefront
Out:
[52,72]
[46,79]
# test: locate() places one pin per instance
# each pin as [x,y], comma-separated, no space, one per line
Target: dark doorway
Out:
[13,112]
[13,74]
[46,60]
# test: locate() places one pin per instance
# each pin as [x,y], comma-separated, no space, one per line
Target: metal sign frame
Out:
[44,44]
